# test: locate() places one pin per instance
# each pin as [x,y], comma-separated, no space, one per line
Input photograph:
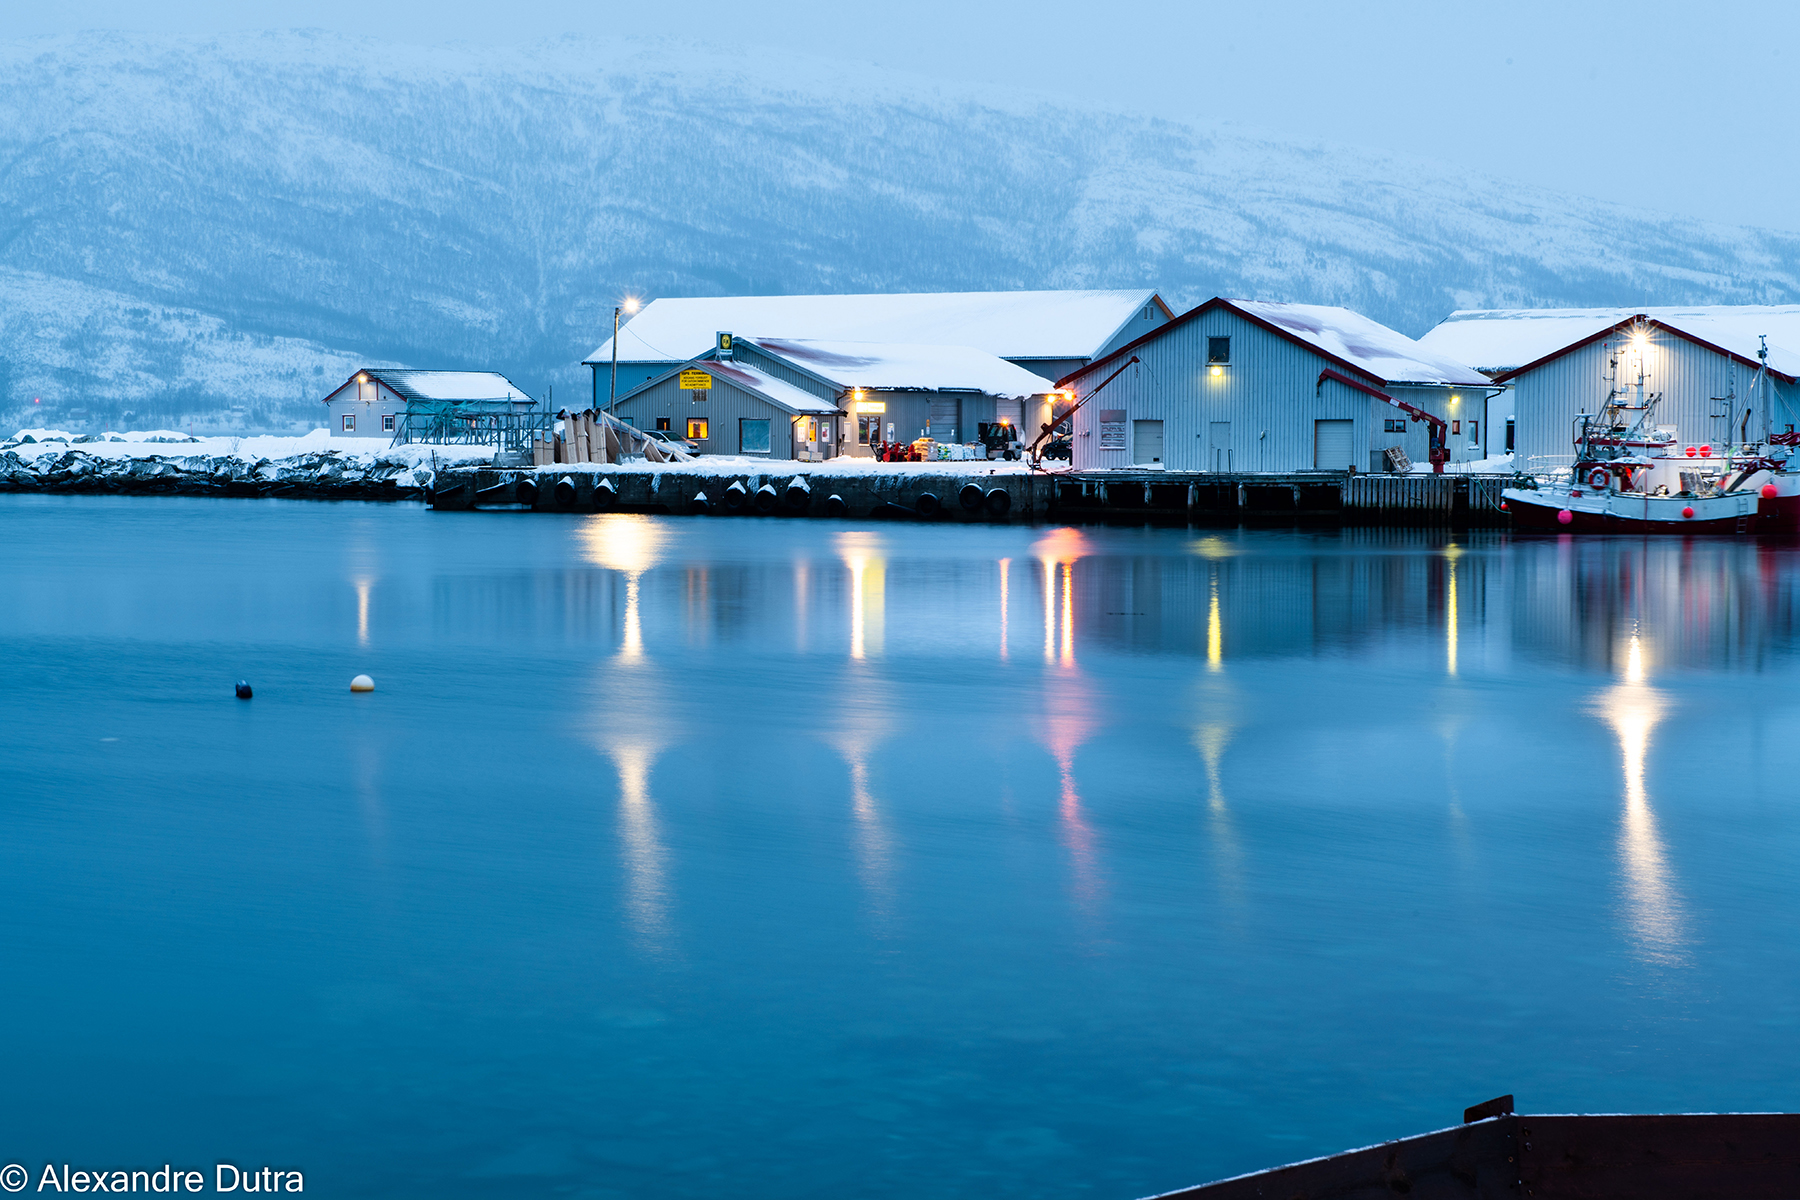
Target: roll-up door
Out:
[944,414]
[1331,445]
[1010,412]
[1147,443]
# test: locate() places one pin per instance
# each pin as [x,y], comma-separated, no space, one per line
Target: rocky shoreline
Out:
[326,475]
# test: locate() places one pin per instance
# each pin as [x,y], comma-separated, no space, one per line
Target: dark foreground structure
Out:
[1499,1155]
[973,493]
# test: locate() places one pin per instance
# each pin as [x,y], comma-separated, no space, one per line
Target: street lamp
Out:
[630,305]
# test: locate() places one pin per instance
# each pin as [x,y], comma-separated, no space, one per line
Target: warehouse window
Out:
[662,425]
[1218,350]
[1509,435]
[1394,425]
[1474,431]
[1456,427]
[697,428]
[387,422]
[349,423]
[753,435]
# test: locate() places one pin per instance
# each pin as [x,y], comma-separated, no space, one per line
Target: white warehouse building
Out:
[1700,364]
[1252,386]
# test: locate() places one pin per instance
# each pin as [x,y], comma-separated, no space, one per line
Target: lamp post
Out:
[630,305]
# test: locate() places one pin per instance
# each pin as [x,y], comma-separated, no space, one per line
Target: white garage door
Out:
[1331,445]
[1146,443]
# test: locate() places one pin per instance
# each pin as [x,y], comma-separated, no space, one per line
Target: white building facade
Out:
[1252,386]
[1701,365]
[372,403]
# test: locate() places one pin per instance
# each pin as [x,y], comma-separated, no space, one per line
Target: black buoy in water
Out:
[243,689]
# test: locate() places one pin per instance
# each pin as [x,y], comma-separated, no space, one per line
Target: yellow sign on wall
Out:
[696,381]
[875,406]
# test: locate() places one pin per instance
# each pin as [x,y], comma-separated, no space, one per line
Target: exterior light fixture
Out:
[1215,370]
[1455,398]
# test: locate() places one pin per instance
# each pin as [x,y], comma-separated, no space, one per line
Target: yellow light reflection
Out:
[1215,633]
[631,545]
[861,552]
[1068,720]
[362,611]
[646,861]
[1211,739]
[1060,548]
[874,845]
[1453,553]
[1005,605]
[1653,908]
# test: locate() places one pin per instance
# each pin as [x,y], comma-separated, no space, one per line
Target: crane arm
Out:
[1049,429]
[1436,425]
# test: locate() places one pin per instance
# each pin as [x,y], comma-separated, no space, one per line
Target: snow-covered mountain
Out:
[193,225]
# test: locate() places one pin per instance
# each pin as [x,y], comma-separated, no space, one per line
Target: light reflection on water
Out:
[673,855]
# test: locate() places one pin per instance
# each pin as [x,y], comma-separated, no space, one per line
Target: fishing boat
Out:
[1632,477]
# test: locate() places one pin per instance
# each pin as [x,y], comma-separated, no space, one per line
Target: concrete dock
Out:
[971,492]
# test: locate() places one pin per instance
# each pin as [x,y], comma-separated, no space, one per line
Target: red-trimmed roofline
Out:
[1344,379]
[1215,302]
[1636,319]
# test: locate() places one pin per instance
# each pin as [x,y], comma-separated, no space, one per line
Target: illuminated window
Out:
[868,429]
[662,424]
[697,428]
[349,423]
[1218,350]
[1456,427]
[387,422]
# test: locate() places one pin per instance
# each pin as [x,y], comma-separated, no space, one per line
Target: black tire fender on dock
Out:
[835,506]
[606,496]
[735,495]
[999,502]
[767,498]
[564,491]
[970,497]
[527,491]
[699,505]
[798,497]
[927,504]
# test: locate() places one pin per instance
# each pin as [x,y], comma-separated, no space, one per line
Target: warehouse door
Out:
[1331,445]
[1218,446]
[1010,412]
[1146,443]
[944,418]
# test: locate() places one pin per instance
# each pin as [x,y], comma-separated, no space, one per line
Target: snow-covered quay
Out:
[171,463]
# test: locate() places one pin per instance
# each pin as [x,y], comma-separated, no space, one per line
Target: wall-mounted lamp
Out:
[1215,370]
[1455,398]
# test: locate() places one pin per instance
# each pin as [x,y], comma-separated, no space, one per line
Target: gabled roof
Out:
[1509,341]
[890,366]
[1347,338]
[443,385]
[1051,325]
[778,392]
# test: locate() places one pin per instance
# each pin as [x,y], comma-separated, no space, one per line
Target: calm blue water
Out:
[677,856]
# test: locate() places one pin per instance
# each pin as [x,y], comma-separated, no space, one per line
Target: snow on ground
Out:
[1499,464]
[167,443]
[744,464]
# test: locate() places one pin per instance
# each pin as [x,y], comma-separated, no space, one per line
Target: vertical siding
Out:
[728,405]
[1268,393]
[1688,377]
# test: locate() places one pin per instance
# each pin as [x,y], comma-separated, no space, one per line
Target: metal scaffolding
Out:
[498,423]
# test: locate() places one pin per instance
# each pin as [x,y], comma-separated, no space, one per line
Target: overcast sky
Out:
[1678,106]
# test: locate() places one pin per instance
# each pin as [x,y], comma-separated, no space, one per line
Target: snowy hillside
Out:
[200,226]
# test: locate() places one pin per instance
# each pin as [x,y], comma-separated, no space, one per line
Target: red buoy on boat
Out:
[1691,452]
[1769,492]
[1687,512]
[1565,516]
[1706,452]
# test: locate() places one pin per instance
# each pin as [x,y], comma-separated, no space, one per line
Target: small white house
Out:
[372,403]
[1255,386]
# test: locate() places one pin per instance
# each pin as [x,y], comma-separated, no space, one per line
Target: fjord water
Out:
[684,857]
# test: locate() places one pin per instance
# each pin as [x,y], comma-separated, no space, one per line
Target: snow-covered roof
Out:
[1368,345]
[1344,337]
[778,392]
[906,367]
[1074,324]
[449,385]
[1505,339]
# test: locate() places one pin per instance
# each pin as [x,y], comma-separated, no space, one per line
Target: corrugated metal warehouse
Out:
[372,402]
[1701,362]
[1244,385]
[807,399]
[1048,333]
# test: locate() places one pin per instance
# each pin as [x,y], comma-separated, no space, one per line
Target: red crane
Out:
[1049,430]
[1437,426]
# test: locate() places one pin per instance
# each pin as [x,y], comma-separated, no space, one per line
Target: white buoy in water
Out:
[362,683]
